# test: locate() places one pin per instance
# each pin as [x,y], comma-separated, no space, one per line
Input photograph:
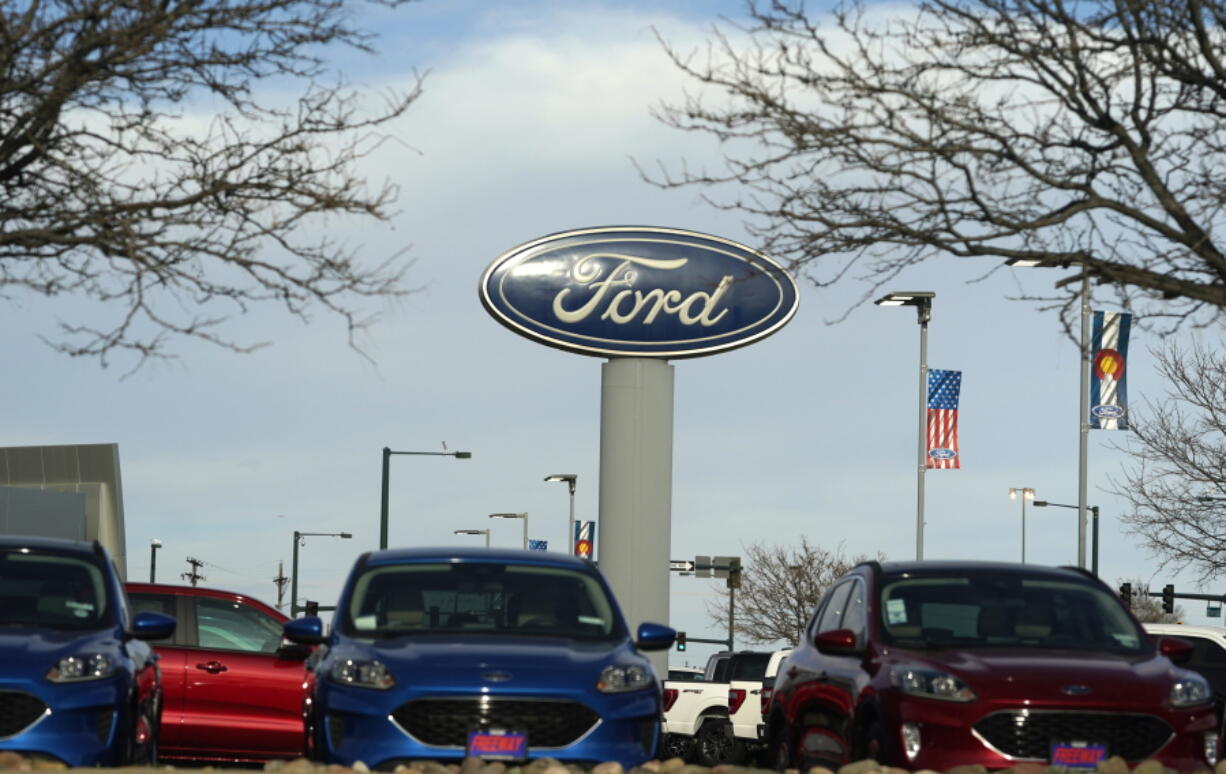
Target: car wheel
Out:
[781,751]
[714,743]
[678,746]
[142,747]
[877,744]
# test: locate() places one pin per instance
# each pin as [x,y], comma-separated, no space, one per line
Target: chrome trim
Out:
[578,739]
[33,723]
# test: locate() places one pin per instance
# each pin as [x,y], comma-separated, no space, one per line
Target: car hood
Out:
[1063,676]
[522,656]
[28,651]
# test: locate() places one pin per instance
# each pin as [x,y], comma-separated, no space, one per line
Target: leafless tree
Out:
[780,587]
[150,163]
[1089,135]
[1148,609]
[1175,480]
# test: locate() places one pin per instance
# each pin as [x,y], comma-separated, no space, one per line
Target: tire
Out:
[677,746]
[780,751]
[714,743]
[142,753]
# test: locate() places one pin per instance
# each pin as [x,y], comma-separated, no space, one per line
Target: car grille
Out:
[446,722]
[17,711]
[1030,734]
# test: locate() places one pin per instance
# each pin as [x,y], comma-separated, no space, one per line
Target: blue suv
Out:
[498,654]
[78,683]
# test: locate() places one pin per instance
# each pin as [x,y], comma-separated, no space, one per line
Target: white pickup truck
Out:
[747,700]
[697,724]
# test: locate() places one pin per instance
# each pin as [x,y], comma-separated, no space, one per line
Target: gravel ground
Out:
[13,762]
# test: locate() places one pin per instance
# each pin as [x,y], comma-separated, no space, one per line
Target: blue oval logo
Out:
[639,291]
[1108,412]
[942,454]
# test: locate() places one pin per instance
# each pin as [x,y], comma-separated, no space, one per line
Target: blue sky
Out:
[530,117]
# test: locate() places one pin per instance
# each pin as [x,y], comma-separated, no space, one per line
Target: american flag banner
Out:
[538,545]
[942,445]
[1108,356]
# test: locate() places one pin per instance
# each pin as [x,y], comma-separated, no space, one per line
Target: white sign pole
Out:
[636,485]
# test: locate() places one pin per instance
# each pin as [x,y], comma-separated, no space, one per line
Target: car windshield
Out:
[476,598]
[988,609]
[51,591]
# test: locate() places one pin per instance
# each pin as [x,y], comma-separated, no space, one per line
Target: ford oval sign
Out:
[942,454]
[1108,411]
[638,291]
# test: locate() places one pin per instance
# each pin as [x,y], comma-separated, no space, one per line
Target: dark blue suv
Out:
[78,684]
[444,653]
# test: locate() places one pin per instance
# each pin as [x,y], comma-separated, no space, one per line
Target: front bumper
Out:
[357,724]
[81,724]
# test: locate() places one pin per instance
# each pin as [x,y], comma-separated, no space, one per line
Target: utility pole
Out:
[280,580]
[193,576]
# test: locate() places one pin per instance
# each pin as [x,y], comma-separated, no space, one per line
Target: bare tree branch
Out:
[112,191]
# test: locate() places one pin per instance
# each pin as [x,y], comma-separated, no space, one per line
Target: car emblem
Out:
[1075,690]
[495,677]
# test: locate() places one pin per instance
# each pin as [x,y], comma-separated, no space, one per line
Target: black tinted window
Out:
[53,591]
[749,667]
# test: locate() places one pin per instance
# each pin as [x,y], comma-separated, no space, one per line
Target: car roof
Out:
[1181,628]
[929,566]
[478,554]
[197,591]
[48,543]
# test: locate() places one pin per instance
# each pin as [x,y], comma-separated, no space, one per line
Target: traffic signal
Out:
[1126,594]
[1168,598]
[680,640]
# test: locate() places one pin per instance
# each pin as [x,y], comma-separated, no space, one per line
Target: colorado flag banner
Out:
[943,389]
[1108,358]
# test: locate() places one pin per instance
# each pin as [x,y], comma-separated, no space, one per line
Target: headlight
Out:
[1189,691]
[619,679]
[362,674]
[931,684]
[86,666]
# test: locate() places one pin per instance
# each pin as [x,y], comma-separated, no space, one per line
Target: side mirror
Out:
[653,636]
[837,642]
[1179,651]
[293,651]
[305,631]
[152,626]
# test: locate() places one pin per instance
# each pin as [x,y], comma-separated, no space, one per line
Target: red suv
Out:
[233,690]
[930,665]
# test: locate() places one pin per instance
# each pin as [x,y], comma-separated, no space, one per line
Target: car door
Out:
[241,696]
[172,660]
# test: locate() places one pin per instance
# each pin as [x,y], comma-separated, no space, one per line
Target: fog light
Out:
[911,740]
[1211,740]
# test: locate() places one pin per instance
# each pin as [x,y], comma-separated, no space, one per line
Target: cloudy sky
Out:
[531,116]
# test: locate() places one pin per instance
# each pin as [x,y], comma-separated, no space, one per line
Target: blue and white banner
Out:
[585,539]
[538,545]
[1108,368]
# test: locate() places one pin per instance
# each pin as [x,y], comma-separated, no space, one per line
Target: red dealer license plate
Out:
[493,744]
[1078,755]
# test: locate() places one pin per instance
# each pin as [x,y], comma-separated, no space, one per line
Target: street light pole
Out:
[1026,493]
[153,559]
[300,539]
[570,479]
[485,532]
[523,516]
[1094,529]
[387,455]
[922,301]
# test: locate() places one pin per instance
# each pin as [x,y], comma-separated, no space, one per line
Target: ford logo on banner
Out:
[942,454]
[638,291]
[1108,411]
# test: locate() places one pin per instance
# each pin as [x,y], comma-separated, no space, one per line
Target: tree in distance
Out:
[149,166]
[1085,135]
[780,587]
[1174,480]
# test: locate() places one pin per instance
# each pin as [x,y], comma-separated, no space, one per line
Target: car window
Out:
[855,616]
[223,624]
[479,598]
[989,609]
[833,614]
[1205,652]
[52,591]
[153,603]
[749,666]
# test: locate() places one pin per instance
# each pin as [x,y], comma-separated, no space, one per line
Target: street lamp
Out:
[1093,530]
[523,516]
[153,559]
[300,539]
[1083,443]
[922,301]
[387,455]
[570,479]
[1026,493]
[485,532]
